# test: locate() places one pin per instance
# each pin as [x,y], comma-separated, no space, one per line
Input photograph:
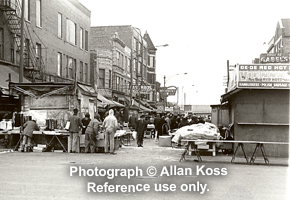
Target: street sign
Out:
[168,91]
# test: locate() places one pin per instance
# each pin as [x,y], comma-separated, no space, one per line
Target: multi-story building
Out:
[129,52]
[56,40]
[280,42]
[151,69]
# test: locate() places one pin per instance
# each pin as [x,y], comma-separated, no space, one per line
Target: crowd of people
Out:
[163,124]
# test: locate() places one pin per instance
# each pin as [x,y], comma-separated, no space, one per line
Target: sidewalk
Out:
[151,147]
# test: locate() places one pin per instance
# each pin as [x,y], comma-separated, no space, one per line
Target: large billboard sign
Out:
[264,76]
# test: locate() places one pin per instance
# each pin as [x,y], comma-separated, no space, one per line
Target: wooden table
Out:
[192,144]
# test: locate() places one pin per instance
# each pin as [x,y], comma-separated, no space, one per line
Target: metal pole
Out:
[21,43]
[131,77]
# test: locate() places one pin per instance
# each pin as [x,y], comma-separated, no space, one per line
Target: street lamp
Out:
[164,45]
[170,77]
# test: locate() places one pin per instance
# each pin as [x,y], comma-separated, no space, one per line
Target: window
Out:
[86,73]
[59,64]
[82,38]
[70,67]
[134,65]
[122,61]
[101,78]
[139,68]
[70,32]
[81,76]
[125,63]
[110,79]
[38,50]
[1,43]
[59,25]
[128,66]
[118,83]
[86,40]
[26,9]
[38,13]
[135,44]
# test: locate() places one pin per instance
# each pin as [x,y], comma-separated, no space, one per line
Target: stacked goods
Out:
[205,131]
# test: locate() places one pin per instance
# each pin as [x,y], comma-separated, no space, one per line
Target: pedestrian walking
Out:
[141,127]
[74,129]
[29,127]
[91,134]
[110,125]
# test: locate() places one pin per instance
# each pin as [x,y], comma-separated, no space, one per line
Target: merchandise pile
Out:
[207,131]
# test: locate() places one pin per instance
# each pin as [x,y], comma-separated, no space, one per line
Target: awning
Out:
[87,90]
[106,102]
[143,108]
[4,76]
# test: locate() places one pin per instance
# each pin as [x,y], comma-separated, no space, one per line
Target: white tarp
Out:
[207,131]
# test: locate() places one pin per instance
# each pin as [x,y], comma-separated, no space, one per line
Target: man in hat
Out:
[74,128]
[110,125]
[85,121]
[91,134]
[141,127]
[29,127]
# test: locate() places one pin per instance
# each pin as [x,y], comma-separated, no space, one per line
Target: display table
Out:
[53,137]
[192,145]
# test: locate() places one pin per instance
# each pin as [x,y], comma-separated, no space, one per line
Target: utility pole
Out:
[131,77]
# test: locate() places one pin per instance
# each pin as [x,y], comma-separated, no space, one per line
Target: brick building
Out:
[56,41]
[128,48]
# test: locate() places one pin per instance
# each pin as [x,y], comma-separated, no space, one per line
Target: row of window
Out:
[71,33]
[119,83]
[70,68]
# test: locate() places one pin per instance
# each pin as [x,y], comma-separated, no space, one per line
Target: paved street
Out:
[40,175]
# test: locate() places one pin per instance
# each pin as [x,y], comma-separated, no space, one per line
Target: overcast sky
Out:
[202,36]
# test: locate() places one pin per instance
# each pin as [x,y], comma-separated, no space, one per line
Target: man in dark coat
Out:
[159,126]
[141,127]
[74,128]
[29,127]
[86,120]
[133,120]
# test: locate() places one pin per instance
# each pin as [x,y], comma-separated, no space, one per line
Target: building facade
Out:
[56,44]
[130,66]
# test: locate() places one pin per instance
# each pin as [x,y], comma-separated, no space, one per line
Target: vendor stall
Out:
[258,103]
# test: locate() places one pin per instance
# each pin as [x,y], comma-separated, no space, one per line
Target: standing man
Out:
[110,125]
[133,120]
[29,127]
[91,134]
[74,129]
[85,121]
[140,128]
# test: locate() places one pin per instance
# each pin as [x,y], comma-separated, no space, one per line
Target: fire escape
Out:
[32,61]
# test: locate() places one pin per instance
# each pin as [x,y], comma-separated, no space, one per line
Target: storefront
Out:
[258,103]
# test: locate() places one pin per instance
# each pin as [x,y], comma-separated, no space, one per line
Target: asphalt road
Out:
[131,174]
